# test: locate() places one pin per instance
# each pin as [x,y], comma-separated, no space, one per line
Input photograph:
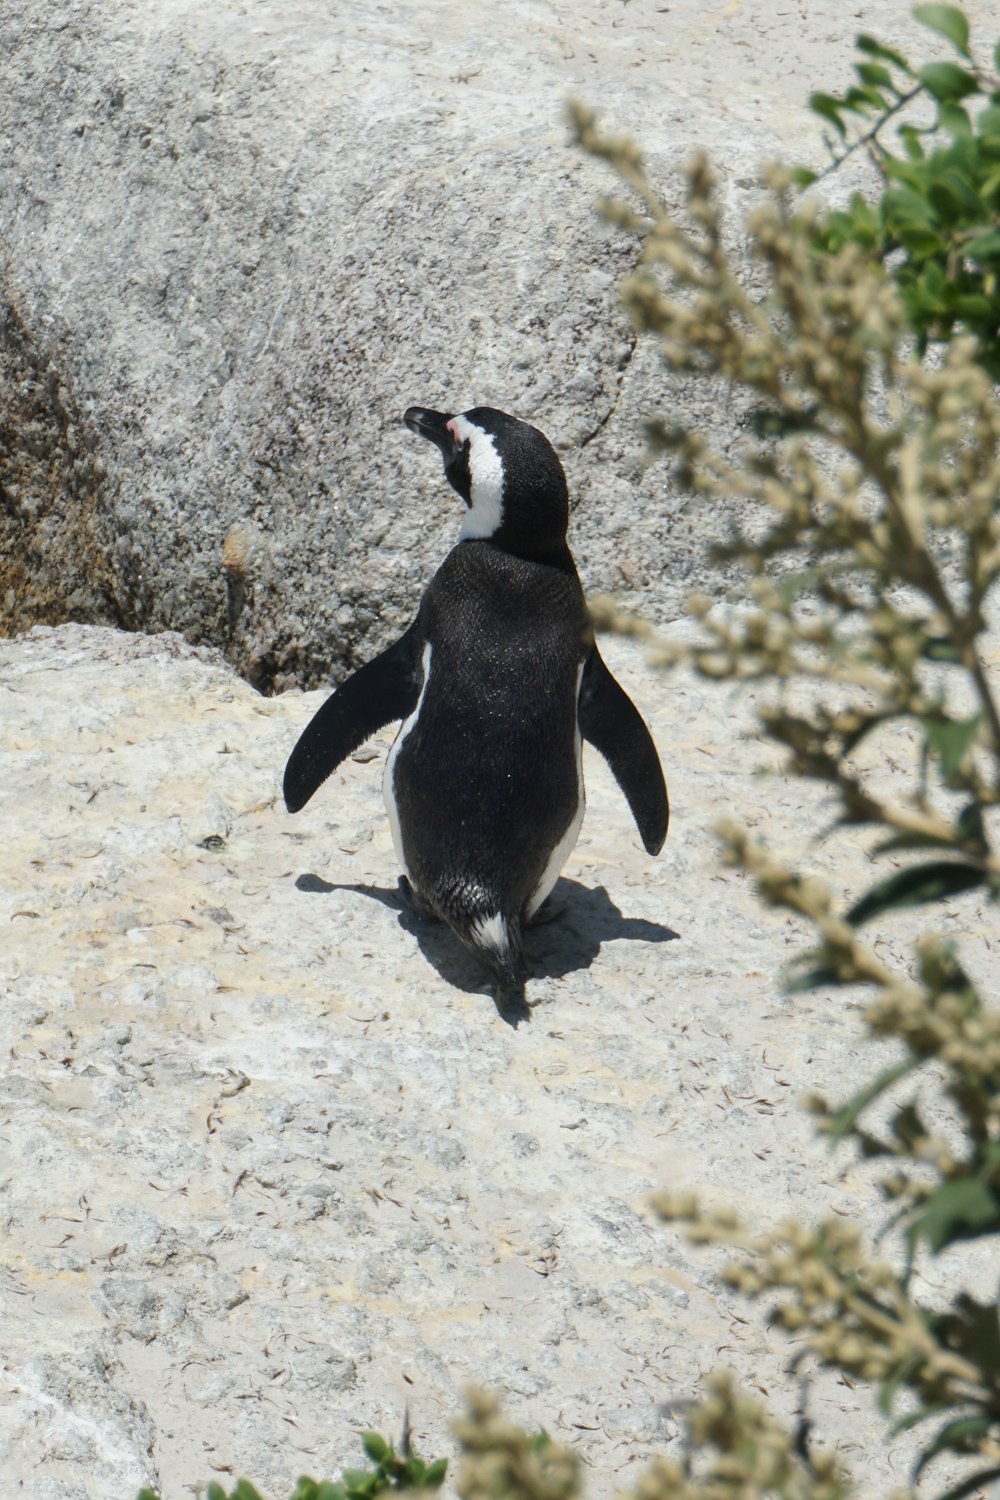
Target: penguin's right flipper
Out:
[611,722]
[384,689]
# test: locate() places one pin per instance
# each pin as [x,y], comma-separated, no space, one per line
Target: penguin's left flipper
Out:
[384,689]
[611,722]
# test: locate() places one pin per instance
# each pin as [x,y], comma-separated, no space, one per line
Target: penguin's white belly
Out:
[567,843]
[389,775]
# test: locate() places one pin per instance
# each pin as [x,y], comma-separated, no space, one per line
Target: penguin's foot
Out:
[511,1005]
[412,902]
[549,910]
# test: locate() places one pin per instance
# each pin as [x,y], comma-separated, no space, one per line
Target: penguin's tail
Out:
[496,940]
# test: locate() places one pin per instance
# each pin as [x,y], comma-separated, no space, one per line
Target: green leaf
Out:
[902,205]
[214,1491]
[791,585]
[837,228]
[944,200]
[983,246]
[330,1489]
[948,21]
[963,152]
[935,280]
[916,886]
[910,136]
[969,829]
[955,119]
[950,739]
[860,224]
[146,1495]
[436,1473]
[843,1122]
[954,1437]
[974,1482]
[971,1329]
[376,1447]
[914,1418]
[244,1491]
[867,43]
[957,181]
[947,81]
[900,1376]
[962,1209]
[903,841]
[863,100]
[306,1489]
[874,75]
[829,108]
[912,173]
[972,308]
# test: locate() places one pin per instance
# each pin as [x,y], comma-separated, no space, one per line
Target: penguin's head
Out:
[508,475]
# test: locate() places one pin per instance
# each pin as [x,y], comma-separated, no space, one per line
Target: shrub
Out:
[880,473]
[941,200]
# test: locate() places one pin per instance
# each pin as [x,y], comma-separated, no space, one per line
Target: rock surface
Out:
[274,1168]
[237,240]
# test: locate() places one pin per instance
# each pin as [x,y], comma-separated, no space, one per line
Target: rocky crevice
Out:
[53,563]
[623,367]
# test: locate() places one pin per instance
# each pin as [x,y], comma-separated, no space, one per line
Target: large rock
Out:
[272,1166]
[237,240]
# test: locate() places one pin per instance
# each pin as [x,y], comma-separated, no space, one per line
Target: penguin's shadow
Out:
[586,918]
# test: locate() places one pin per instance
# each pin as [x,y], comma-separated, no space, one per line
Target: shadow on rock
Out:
[584,918]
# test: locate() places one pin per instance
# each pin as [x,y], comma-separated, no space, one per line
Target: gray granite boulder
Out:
[237,240]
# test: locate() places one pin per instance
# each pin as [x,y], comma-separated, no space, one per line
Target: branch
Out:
[870,136]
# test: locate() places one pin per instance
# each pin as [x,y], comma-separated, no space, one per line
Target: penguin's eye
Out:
[462,446]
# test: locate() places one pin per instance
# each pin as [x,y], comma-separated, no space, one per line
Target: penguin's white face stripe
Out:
[485,514]
[388,787]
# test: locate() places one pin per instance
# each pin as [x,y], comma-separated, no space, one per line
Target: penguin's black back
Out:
[486,777]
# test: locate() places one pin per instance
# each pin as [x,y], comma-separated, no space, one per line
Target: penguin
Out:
[497,682]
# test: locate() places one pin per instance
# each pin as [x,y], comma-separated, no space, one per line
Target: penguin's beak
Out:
[433,425]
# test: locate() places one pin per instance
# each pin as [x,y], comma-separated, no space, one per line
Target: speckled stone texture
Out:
[273,1167]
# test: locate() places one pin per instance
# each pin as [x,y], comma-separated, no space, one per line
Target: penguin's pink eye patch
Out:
[453,429]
